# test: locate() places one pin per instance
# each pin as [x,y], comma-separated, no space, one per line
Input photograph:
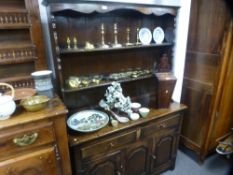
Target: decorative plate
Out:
[158,35]
[145,36]
[88,120]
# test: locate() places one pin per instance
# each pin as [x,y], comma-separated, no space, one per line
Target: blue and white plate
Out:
[145,36]
[158,35]
[88,120]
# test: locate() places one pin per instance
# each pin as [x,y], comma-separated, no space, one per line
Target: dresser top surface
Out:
[54,108]
[76,138]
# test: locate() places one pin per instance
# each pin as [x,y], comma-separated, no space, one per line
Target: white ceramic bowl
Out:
[144,111]
[134,116]
[135,106]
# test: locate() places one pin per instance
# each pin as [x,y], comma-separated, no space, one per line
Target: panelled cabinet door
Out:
[110,164]
[41,162]
[164,152]
[137,162]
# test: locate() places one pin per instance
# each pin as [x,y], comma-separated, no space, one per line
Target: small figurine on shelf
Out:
[89,46]
[116,44]
[75,43]
[138,42]
[68,43]
[164,65]
[103,45]
[127,37]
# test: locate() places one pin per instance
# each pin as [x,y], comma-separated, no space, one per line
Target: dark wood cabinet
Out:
[40,162]
[146,146]
[35,143]
[207,87]
[21,43]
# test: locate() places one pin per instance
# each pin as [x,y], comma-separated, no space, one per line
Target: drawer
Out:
[163,124]
[20,138]
[41,162]
[109,144]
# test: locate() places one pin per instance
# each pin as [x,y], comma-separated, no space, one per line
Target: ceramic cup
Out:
[135,107]
[144,111]
[134,116]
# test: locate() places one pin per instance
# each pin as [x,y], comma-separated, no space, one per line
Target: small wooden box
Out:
[165,86]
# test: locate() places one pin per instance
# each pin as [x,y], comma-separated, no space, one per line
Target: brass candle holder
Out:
[137,42]
[75,43]
[103,45]
[128,37]
[116,44]
[68,43]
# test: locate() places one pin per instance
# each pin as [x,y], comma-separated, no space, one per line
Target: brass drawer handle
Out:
[26,139]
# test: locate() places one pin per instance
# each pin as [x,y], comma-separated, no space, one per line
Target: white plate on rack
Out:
[158,35]
[88,120]
[145,36]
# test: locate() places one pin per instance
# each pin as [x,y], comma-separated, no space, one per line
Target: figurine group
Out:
[72,43]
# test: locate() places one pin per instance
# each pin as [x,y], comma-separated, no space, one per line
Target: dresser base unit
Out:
[146,146]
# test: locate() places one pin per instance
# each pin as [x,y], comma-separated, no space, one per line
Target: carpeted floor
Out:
[213,165]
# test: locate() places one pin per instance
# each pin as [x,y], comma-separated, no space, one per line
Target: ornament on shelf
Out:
[103,45]
[116,44]
[114,99]
[164,65]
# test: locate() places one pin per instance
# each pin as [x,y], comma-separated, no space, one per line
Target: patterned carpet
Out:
[213,165]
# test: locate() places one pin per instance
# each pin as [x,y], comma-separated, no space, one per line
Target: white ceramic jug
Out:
[7,104]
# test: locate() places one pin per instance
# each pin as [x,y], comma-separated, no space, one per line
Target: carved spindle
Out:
[6,19]
[1,20]
[13,54]
[16,19]
[11,19]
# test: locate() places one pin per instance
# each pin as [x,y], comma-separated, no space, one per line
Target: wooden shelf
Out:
[71,51]
[15,26]
[17,60]
[68,90]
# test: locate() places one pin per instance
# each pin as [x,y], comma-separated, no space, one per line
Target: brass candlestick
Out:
[127,37]
[138,42]
[68,43]
[116,44]
[103,45]
[75,42]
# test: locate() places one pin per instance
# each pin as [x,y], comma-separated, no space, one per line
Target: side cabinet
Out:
[144,147]
[35,143]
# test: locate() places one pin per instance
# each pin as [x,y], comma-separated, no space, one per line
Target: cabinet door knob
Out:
[26,139]
[118,173]
[111,145]
[162,125]
[153,157]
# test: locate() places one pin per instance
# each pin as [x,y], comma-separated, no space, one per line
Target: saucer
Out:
[145,36]
[158,35]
